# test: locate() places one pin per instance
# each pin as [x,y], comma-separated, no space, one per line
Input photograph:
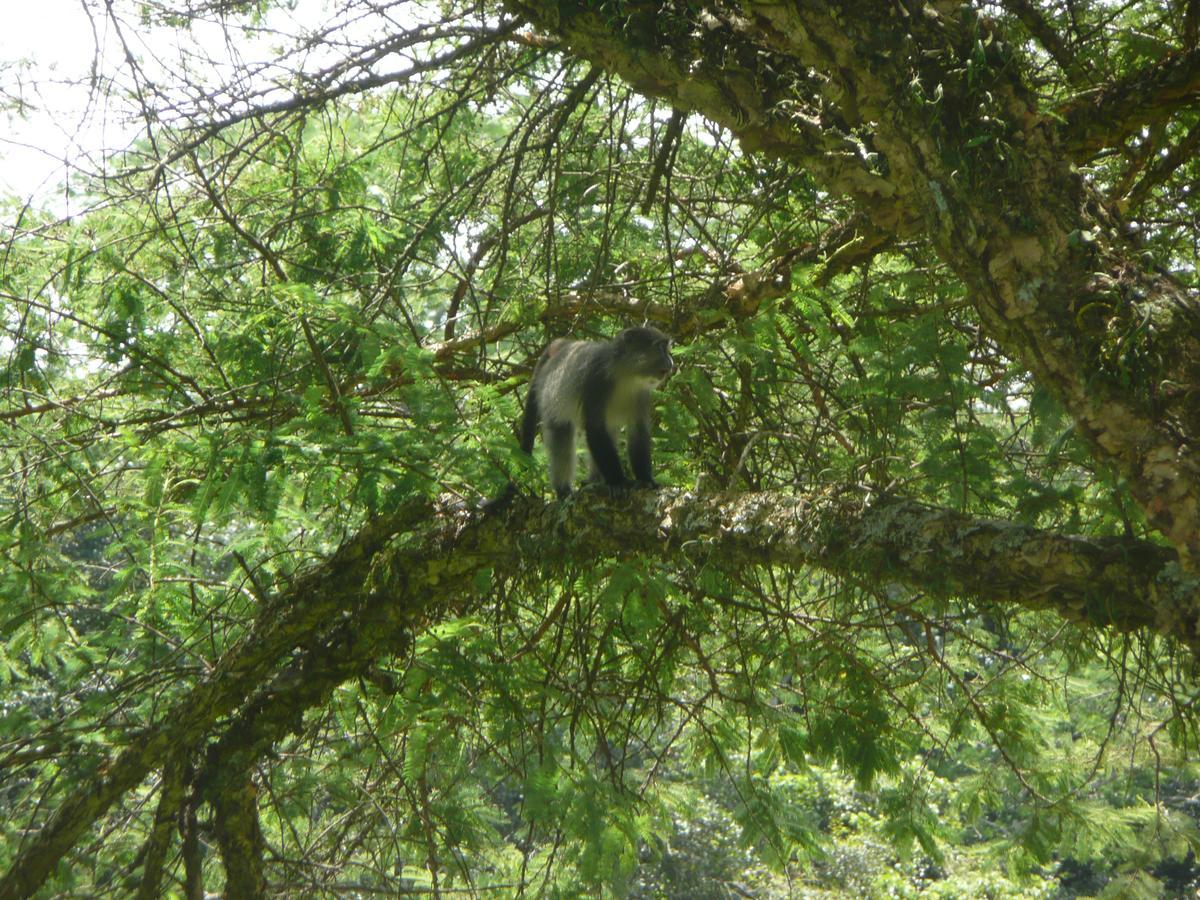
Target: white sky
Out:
[68,125]
[55,36]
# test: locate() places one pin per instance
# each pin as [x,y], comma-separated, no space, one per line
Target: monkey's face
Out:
[645,353]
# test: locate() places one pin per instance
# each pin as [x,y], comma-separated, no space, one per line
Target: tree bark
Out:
[190,848]
[171,794]
[235,817]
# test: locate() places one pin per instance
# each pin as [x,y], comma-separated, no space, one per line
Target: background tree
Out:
[919,611]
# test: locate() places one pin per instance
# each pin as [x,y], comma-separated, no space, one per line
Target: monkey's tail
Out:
[500,502]
[529,428]
[532,418]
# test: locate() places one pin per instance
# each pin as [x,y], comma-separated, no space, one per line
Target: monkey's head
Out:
[644,352]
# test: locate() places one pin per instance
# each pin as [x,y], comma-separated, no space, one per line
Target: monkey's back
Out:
[570,371]
[561,377]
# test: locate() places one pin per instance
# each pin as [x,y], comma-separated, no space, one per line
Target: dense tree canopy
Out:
[917,609]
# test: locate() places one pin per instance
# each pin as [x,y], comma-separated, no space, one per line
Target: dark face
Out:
[646,351]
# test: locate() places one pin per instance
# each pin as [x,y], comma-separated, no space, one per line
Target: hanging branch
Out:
[666,154]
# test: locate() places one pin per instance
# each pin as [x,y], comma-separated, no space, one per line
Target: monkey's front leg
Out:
[639,456]
[639,443]
[605,457]
[601,446]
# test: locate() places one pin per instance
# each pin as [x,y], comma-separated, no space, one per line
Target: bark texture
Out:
[235,817]
[169,801]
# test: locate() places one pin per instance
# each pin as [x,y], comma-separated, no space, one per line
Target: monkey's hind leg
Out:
[560,450]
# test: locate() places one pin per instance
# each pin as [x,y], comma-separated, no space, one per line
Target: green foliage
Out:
[207,388]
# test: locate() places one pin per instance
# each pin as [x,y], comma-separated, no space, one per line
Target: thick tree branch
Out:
[372,596]
[1047,266]
[170,800]
[275,710]
[190,848]
[1110,116]
[1048,36]
[240,838]
[1163,167]
[721,72]
[662,160]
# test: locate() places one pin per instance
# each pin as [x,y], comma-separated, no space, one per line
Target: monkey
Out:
[598,387]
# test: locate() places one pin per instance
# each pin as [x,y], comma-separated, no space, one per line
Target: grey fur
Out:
[600,388]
